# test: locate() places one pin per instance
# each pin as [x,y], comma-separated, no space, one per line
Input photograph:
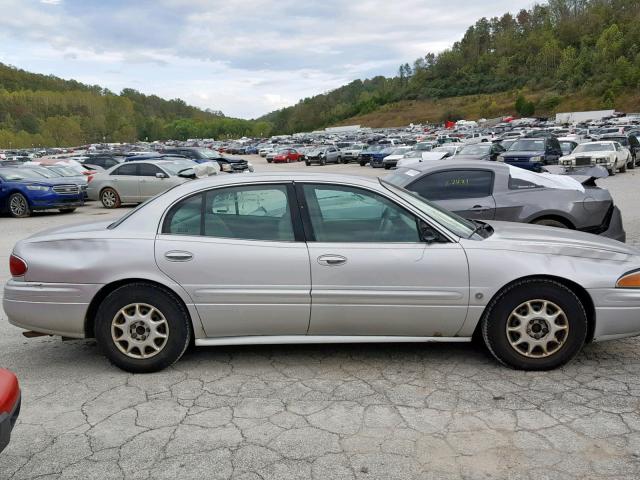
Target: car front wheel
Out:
[19,206]
[535,325]
[142,328]
[110,198]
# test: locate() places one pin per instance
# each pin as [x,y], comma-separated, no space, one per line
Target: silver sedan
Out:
[308,258]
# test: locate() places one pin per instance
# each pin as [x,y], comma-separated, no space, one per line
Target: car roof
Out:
[456,164]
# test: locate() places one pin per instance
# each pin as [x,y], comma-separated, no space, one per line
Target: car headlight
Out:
[226,167]
[629,280]
[602,160]
[39,188]
[501,158]
[537,158]
[567,162]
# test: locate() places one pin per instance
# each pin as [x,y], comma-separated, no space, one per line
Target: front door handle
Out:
[332,260]
[178,256]
[480,208]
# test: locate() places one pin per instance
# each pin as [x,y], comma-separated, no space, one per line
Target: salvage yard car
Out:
[9,405]
[319,258]
[495,191]
[23,191]
[607,154]
[322,156]
[532,153]
[135,182]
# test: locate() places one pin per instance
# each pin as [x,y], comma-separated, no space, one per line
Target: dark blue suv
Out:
[23,191]
[532,153]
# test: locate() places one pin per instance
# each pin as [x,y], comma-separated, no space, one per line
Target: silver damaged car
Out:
[308,258]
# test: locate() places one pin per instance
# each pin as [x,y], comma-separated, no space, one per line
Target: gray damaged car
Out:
[496,191]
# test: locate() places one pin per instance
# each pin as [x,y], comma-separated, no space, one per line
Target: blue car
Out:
[23,191]
[377,158]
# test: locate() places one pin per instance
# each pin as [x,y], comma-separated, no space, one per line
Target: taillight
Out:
[89,178]
[17,266]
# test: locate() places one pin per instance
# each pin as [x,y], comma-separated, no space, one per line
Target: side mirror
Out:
[161,175]
[428,234]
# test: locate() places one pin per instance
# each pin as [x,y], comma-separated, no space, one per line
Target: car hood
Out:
[572,156]
[471,157]
[521,153]
[551,240]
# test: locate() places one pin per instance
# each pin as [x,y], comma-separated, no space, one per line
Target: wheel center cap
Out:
[139,331]
[537,328]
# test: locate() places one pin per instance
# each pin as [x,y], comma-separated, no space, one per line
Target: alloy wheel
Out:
[139,330]
[18,206]
[108,198]
[537,328]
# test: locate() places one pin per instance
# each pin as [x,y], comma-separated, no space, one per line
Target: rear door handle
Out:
[178,256]
[332,260]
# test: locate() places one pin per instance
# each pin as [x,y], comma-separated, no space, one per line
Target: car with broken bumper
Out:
[287,258]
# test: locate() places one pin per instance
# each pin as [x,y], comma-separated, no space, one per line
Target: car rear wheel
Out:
[110,198]
[142,328]
[535,325]
[19,206]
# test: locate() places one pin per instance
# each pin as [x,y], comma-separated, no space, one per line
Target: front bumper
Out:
[617,313]
[50,200]
[51,308]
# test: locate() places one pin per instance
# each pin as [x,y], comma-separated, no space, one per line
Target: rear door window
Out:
[454,184]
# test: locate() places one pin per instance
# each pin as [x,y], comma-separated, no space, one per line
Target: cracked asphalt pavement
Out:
[397,411]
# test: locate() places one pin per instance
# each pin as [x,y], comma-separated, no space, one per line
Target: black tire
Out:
[18,206]
[499,312]
[362,164]
[550,222]
[387,167]
[268,161]
[307,163]
[166,302]
[323,161]
[110,198]
[66,210]
[612,171]
[623,168]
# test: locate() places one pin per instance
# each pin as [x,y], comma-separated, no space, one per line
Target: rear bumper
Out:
[7,421]
[52,308]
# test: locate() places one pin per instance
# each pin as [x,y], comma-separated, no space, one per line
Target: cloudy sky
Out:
[244,57]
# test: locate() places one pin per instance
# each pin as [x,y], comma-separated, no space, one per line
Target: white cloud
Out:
[244,57]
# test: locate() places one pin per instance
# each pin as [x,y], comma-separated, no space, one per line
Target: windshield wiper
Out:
[480,227]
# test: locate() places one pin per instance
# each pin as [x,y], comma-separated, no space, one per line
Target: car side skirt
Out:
[315,339]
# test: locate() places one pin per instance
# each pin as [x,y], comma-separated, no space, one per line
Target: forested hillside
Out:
[42,110]
[591,47]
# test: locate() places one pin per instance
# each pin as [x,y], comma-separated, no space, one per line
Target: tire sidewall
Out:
[178,320]
[494,324]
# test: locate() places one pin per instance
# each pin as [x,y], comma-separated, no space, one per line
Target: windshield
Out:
[208,153]
[15,174]
[374,148]
[64,171]
[479,149]
[452,222]
[398,151]
[175,167]
[594,147]
[528,145]
[413,154]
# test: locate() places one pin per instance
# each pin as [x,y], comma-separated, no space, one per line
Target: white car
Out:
[391,160]
[610,155]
